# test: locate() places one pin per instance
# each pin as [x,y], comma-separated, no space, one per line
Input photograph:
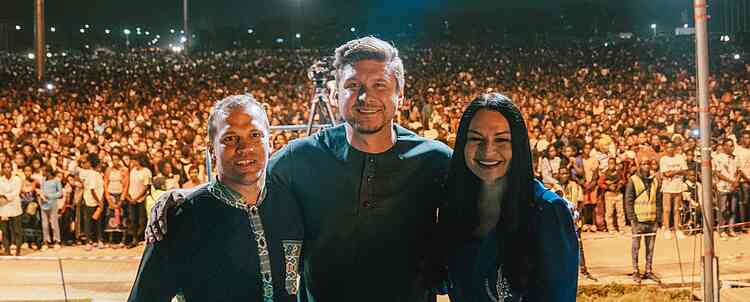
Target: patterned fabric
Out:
[234,199]
[502,289]
[645,202]
[292,252]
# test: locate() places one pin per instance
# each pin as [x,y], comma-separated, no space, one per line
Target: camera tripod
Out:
[316,103]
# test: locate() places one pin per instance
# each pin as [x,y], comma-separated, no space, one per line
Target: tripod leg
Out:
[313,109]
[330,111]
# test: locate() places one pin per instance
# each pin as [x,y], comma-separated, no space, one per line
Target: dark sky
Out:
[160,14]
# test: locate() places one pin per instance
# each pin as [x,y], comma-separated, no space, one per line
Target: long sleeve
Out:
[558,255]
[157,276]
[630,201]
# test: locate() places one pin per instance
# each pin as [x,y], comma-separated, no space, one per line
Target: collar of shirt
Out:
[233,198]
[335,140]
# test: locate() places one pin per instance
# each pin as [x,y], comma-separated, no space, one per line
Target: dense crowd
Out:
[86,154]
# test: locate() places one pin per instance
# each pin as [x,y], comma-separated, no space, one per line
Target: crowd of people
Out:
[85,154]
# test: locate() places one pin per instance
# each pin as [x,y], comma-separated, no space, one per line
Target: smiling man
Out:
[231,240]
[368,190]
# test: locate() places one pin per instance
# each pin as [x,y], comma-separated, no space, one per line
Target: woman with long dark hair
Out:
[510,238]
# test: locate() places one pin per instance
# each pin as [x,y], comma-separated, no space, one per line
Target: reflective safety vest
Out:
[645,201]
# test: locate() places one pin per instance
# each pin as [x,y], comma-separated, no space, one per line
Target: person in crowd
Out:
[672,167]
[612,184]
[549,165]
[11,210]
[53,192]
[590,189]
[31,219]
[519,248]
[742,153]
[116,181]
[93,201]
[257,256]
[139,186]
[193,179]
[725,171]
[643,205]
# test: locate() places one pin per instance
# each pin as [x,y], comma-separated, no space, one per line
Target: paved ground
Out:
[106,275]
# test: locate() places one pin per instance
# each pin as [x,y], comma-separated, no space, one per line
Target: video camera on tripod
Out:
[320,73]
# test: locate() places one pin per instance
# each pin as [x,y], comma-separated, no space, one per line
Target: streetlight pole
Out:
[710,273]
[127,38]
[188,36]
[39,33]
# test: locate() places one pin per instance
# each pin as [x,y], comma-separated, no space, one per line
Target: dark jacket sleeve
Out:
[157,279]
[161,267]
[630,201]
[558,256]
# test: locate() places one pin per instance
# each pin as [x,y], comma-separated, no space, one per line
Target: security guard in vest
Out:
[643,207]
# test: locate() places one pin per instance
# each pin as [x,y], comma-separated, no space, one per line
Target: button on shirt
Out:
[367,216]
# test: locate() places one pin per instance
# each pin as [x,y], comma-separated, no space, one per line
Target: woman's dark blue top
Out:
[474,268]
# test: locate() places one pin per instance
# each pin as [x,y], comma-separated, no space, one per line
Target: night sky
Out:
[208,14]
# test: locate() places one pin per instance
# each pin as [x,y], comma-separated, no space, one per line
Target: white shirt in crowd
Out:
[675,183]
[727,166]
[140,179]
[91,180]
[548,168]
[743,158]
[11,189]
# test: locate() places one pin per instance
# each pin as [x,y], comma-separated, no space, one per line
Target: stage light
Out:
[126,31]
[685,25]
[183,39]
[64,54]
[52,29]
[30,56]
[250,31]
[352,29]
[279,40]
[18,27]
[695,132]
[171,31]
[137,29]
[653,26]
[736,56]
[86,26]
[83,31]
[148,33]
[107,31]
[49,86]
[298,36]
[176,49]
[49,54]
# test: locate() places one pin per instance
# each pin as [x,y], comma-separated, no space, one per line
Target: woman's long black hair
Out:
[459,218]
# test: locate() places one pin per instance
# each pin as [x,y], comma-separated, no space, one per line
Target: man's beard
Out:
[364,130]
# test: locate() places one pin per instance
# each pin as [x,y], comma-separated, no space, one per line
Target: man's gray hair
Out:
[370,48]
[226,105]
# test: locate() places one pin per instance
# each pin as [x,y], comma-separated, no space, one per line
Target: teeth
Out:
[245,162]
[489,163]
[368,111]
